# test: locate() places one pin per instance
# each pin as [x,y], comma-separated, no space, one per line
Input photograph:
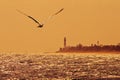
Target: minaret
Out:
[64,42]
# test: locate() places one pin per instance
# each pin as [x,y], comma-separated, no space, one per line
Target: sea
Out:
[60,66]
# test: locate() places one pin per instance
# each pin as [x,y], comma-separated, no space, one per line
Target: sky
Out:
[82,21]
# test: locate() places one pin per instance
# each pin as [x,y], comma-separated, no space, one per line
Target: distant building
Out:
[98,43]
[64,42]
[92,48]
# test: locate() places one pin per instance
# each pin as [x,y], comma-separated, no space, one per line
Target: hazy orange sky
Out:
[82,21]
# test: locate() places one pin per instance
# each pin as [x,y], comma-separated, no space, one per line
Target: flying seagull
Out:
[40,25]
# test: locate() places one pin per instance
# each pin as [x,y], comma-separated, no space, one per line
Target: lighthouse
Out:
[64,42]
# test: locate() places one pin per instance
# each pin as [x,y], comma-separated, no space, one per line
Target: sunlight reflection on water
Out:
[59,65]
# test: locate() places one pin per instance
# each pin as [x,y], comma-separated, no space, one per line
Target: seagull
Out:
[40,25]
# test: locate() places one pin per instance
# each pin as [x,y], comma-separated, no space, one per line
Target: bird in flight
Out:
[40,25]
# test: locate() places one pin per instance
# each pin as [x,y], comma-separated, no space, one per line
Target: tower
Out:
[64,42]
[98,43]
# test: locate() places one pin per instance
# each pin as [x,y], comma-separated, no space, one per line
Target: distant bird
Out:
[40,25]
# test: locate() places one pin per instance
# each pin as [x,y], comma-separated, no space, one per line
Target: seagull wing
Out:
[21,12]
[53,15]
[59,11]
[33,19]
[29,17]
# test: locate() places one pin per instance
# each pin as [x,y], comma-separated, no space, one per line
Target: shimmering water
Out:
[62,66]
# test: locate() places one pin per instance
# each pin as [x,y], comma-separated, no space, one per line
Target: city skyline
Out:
[94,47]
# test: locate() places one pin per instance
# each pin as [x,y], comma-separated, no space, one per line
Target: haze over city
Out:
[85,22]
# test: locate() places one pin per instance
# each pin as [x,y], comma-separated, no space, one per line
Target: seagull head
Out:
[40,26]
